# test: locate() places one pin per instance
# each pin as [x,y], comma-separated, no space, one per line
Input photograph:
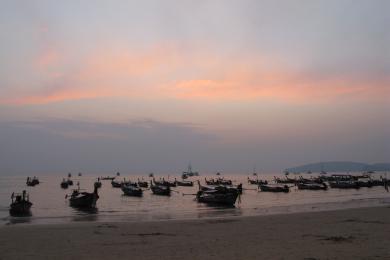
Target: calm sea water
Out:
[50,205]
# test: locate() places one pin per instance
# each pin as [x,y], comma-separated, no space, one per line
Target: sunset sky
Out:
[141,86]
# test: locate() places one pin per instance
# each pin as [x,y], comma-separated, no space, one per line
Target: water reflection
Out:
[19,219]
[211,211]
[85,214]
[50,206]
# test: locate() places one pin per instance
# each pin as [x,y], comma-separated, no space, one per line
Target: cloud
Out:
[167,71]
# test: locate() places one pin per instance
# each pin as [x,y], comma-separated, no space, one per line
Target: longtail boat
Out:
[20,204]
[217,195]
[131,190]
[274,188]
[142,183]
[158,189]
[32,181]
[311,186]
[64,184]
[184,183]
[83,199]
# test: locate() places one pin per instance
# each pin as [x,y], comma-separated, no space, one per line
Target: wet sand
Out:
[344,234]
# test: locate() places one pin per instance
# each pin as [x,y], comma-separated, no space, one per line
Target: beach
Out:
[361,233]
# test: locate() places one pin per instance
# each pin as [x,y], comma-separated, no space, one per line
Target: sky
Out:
[149,86]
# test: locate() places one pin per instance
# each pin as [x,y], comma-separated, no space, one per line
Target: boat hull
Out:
[87,200]
[161,190]
[344,185]
[20,208]
[132,191]
[185,184]
[314,186]
[266,188]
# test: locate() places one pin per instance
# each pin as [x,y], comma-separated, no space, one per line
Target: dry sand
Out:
[344,234]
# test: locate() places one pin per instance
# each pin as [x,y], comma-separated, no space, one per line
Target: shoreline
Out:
[269,211]
[339,234]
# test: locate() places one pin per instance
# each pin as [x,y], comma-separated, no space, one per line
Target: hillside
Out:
[340,167]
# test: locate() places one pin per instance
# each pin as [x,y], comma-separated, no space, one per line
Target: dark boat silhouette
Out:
[184,183]
[32,181]
[219,195]
[142,183]
[107,178]
[64,184]
[285,180]
[163,182]
[159,189]
[343,181]
[132,190]
[257,181]
[218,181]
[274,188]
[98,183]
[189,172]
[116,184]
[20,205]
[311,186]
[84,199]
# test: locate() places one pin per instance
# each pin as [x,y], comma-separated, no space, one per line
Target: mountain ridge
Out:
[340,166]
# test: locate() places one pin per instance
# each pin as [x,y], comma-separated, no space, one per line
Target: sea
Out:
[50,205]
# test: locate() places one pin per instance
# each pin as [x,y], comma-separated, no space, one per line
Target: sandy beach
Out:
[344,234]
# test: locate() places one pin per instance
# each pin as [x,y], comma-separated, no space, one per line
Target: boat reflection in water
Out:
[85,214]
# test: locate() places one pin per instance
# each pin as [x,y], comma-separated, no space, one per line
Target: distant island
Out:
[340,167]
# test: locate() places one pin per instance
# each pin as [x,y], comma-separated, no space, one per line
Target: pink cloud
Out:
[169,72]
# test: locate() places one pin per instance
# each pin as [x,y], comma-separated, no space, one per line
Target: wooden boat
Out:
[232,188]
[224,182]
[184,183]
[107,178]
[84,199]
[257,181]
[32,181]
[163,182]
[364,182]
[338,177]
[189,173]
[131,190]
[21,205]
[142,183]
[274,188]
[341,184]
[116,184]
[311,186]
[217,195]
[160,189]
[98,183]
[218,181]
[377,182]
[128,183]
[210,181]
[317,180]
[285,180]
[64,184]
